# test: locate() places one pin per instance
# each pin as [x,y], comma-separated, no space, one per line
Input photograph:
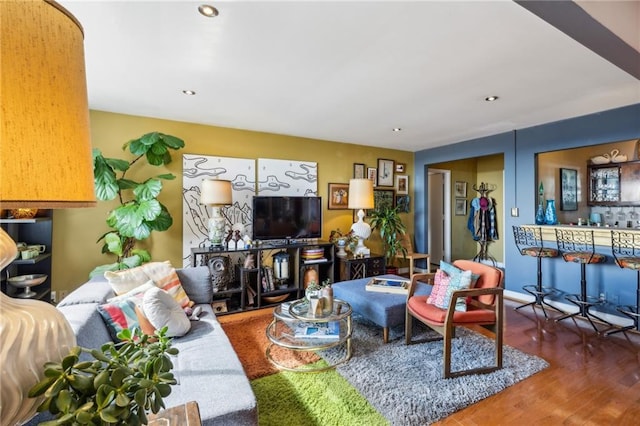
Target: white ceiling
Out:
[345,71]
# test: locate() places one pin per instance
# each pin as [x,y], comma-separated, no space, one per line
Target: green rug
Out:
[306,399]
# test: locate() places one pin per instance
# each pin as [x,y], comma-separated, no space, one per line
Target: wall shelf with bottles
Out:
[614,184]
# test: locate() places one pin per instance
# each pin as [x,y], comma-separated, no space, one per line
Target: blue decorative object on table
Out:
[540,215]
[550,217]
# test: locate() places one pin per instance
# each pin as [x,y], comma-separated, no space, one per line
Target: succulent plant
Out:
[119,387]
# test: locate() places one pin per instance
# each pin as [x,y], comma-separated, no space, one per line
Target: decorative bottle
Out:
[550,217]
[540,215]
[327,299]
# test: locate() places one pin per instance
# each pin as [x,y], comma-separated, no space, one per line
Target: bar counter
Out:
[601,234]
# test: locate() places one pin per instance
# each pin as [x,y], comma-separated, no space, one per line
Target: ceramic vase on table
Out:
[550,217]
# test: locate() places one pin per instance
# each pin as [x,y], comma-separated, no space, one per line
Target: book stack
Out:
[382,285]
[309,330]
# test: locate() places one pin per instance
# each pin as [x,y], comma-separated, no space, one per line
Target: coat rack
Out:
[484,190]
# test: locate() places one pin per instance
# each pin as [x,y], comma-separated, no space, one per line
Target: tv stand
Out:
[255,286]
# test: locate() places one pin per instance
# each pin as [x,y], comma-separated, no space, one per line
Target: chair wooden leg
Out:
[385,334]
[448,336]
[408,328]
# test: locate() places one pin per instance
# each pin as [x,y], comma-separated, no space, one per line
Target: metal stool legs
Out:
[582,302]
[538,292]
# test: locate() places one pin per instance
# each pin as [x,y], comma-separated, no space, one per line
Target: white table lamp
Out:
[216,193]
[45,162]
[361,197]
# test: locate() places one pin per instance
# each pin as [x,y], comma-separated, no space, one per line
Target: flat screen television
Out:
[277,217]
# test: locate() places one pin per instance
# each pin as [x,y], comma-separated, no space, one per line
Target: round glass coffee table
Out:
[295,328]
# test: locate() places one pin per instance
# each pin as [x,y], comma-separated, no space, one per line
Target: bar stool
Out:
[577,246]
[625,247]
[529,242]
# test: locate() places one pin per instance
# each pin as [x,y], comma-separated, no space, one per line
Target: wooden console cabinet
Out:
[255,287]
[352,268]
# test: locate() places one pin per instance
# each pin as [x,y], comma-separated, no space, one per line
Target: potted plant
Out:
[139,212]
[119,387]
[386,220]
[342,241]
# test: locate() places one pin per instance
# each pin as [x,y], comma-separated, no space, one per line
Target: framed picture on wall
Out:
[386,170]
[358,171]
[402,202]
[383,197]
[461,207]
[338,196]
[372,174]
[568,189]
[460,189]
[402,184]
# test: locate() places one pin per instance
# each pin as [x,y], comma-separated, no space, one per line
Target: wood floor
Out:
[592,380]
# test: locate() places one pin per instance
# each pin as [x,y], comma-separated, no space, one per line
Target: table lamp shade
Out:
[46,148]
[45,162]
[216,192]
[361,194]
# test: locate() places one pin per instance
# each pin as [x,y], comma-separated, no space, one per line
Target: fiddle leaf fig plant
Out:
[119,387]
[139,212]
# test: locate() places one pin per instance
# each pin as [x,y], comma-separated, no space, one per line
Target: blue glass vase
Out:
[550,217]
[540,219]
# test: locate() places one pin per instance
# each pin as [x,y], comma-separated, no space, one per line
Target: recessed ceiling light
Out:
[189,92]
[208,10]
[397,129]
[491,98]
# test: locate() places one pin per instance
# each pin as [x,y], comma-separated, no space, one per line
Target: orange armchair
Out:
[484,307]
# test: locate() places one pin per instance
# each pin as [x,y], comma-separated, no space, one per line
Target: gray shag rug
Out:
[405,384]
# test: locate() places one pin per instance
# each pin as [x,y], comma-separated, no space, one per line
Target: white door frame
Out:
[447,211]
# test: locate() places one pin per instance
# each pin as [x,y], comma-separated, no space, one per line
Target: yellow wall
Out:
[75,231]
[488,169]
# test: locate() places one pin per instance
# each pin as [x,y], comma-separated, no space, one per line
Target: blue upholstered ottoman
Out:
[385,309]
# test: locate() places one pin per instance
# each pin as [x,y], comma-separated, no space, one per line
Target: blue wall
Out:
[519,149]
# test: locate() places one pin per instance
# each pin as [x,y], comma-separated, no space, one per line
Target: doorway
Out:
[439,214]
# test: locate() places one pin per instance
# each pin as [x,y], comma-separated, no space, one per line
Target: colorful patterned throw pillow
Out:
[460,280]
[439,291]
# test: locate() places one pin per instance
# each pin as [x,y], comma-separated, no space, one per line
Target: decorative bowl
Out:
[22,281]
[26,282]
[275,299]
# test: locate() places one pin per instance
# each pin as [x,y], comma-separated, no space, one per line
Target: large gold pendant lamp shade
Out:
[45,162]
[45,149]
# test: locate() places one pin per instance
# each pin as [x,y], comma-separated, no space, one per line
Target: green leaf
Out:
[106,187]
[150,139]
[117,164]
[117,377]
[83,417]
[122,400]
[68,361]
[172,142]
[136,260]
[164,389]
[63,402]
[41,387]
[148,190]
[166,176]
[149,210]
[162,222]
[113,243]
